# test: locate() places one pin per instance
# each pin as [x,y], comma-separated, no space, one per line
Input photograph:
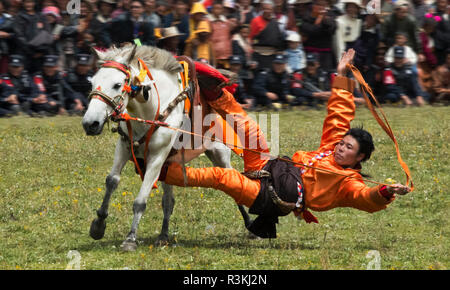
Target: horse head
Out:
[111,90]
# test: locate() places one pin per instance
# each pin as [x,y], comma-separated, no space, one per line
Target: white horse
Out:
[110,98]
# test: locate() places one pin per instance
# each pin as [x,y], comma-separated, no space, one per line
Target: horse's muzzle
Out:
[92,128]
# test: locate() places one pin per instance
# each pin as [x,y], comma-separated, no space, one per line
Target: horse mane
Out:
[152,56]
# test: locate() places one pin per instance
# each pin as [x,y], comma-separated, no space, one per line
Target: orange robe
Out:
[323,190]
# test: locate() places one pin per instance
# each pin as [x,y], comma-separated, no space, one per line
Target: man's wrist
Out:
[385,192]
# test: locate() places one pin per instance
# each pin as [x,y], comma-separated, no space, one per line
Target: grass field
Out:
[52,181]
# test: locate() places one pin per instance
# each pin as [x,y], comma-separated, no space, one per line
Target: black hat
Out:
[235,59]
[280,58]
[84,59]
[311,57]
[399,51]
[50,60]
[16,60]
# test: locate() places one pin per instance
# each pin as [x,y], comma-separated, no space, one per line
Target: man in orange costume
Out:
[340,154]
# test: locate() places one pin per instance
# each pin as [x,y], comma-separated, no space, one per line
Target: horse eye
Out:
[117,86]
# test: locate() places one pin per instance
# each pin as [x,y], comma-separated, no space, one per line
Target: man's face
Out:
[351,9]
[106,9]
[267,11]
[279,67]
[217,9]
[15,70]
[398,61]
[83,69]
[50,70]
[346,152]
[441,5]
[401,40]
[311,67]
[401,12]
[136,9]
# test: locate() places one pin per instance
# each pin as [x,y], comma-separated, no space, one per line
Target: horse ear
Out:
[99,54]
[132,54]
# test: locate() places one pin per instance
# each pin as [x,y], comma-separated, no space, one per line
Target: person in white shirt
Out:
[410,56]
[348,27]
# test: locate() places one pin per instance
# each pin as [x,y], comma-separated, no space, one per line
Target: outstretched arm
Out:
[341,106]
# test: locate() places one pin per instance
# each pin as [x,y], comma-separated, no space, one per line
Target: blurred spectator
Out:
[6,36]
[420,9]
[101,21]
[49,99]
[406,87]
[379,78]
[197,15]
[281,14]
[429,61]
[295,55]
[441,82]
[200,47]
[271,86]
[312,86]
[9,95]
[150,14]
[230,12]
[246,12]
[122,7]
[79,80]
[367,43]
[401,21]
[54,27]
[31,38]
[85,36]
[317,29]
[241,95]
[220,34]
[170,39]
[240,45]
[13,7]
[442,34]
[266,37]
[427,41]
[9,104]
[179,18]
[21,81]
[348,27]
[131,25]
[410,57]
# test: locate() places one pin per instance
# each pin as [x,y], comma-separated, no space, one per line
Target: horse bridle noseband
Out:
[117,102]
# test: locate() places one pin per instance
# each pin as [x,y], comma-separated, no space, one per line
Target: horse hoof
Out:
[128,246]
[97,230]
[162,240]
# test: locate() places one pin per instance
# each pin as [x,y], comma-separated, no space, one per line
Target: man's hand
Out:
[398,189]
[272,96]
[12,99]
[41,99]
[347,58]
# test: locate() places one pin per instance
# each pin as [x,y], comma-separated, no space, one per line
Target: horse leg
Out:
[98,225]
[140,203]
[168,202]
[220,155]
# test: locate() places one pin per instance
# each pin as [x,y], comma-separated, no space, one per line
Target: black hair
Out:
[365,141]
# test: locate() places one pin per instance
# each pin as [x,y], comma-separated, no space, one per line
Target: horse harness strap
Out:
[182,96]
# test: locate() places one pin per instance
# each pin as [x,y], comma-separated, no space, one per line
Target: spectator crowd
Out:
[284,52]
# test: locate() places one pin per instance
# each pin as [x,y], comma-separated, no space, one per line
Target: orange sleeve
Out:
[354,193]
[341,111]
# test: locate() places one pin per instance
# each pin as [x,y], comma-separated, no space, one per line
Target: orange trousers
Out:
[241,188]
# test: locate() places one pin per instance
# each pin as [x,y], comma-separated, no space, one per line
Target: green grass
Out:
[52,181]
